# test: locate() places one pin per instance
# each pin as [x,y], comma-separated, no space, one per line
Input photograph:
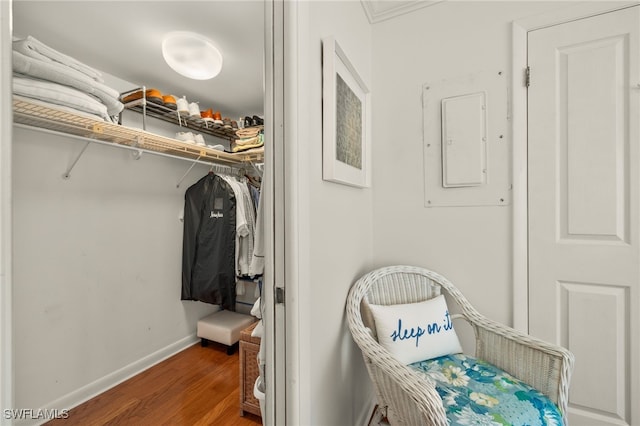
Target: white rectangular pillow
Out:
[416,331]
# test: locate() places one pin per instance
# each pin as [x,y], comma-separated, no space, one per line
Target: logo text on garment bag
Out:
[218,204]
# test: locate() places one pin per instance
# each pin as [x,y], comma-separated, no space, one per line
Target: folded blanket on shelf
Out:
[248,141]
[244,144]
[242,148]
[250,150]
[58,94]
[249,132]
[34,48]
[61,74]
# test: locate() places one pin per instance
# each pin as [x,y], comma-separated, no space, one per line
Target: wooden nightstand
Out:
[249,347]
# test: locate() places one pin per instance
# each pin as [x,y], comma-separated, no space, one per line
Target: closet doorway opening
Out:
[107,286]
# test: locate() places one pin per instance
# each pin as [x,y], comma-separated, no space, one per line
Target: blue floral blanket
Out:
[477,393]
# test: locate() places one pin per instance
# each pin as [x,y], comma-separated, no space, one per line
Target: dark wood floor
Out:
[198,386]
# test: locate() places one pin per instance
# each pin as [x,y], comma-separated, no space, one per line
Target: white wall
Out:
[97,267]
[472,246]
[332,224]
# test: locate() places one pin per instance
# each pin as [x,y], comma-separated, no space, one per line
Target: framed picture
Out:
[346,111]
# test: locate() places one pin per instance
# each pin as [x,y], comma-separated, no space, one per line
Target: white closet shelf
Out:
[41,115]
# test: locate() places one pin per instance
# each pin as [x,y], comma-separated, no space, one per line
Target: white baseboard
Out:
[85,393]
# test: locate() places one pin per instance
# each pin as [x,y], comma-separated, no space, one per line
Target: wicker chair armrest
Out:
[545,366]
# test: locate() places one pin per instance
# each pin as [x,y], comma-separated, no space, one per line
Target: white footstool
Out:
[223,327]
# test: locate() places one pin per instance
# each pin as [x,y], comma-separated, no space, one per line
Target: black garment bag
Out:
[208,249]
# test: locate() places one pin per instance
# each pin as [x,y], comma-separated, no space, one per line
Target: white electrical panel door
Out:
[464,136]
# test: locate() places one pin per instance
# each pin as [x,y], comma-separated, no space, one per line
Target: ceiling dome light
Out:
[191,55]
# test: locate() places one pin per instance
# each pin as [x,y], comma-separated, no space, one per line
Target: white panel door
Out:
[584,185]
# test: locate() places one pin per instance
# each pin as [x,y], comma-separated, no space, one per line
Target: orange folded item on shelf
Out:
[132,97]
[154,95]
[169,101]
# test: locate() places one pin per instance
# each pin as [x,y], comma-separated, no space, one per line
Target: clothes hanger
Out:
[253,181]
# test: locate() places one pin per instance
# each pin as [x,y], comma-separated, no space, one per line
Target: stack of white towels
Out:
[43,73]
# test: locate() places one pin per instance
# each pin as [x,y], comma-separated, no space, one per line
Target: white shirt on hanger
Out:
[245,225]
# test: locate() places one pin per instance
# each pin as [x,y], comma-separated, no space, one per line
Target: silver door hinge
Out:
[279,295]
[527,77]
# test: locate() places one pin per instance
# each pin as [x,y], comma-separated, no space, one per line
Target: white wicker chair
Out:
[404,397]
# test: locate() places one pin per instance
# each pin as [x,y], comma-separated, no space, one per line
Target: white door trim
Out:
[276,356]
[6,141]
[273,413]
[520,28]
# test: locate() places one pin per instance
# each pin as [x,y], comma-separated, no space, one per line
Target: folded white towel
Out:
[256,309]
[59,95]
[30,46]
[61,74]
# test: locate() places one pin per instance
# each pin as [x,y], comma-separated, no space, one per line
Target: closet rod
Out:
[227,170]
[111,144]
[219,168]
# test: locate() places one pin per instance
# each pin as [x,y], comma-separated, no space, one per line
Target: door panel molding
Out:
[610,329]
[580,145]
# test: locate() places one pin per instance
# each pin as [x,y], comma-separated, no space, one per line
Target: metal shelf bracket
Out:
[137,153]
[67,174]
[188,170]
